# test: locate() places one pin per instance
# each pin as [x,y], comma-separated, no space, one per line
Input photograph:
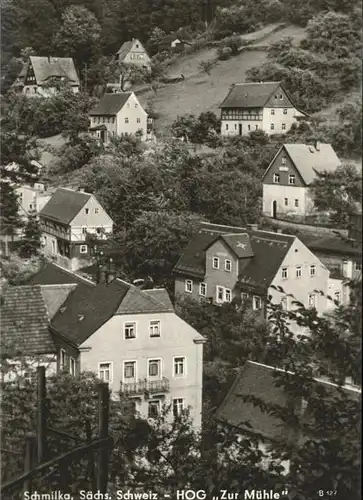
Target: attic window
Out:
[137,45]
[86,210]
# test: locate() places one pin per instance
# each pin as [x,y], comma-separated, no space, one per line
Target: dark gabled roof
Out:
[25,320]
[250,95]
[258,380]
[192,261]
[87,309]
[265,252]
[53,274]
[110,104]
[145,301]
[270,250]
[64,205]
[255,380]
[332,244]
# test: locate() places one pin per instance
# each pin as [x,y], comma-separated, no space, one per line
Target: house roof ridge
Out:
[90,282]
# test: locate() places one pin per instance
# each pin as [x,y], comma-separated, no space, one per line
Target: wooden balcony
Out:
[145,387]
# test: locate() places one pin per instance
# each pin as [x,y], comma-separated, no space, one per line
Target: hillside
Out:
[199,92]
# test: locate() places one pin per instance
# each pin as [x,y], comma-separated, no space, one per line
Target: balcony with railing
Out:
[145,387]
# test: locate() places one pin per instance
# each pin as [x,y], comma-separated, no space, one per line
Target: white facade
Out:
[137,55]
[32,199]
[274,121]
[41,91]
[132,119]
[290,200]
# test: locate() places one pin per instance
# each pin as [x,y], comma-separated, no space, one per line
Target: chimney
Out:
[101,274]
[111,272]
[252,227]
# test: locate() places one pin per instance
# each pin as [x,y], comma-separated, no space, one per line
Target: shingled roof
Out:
[54,274]
[258,380]
[310,160]
[87,309]
[110,104]
[64,205]
[24,321]
[48,67]
[125,49]
[265,252]
[250,95]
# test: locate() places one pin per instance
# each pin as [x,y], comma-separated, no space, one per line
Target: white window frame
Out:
[215,260]
[244,297]
[151,327]
[276,178]
[179,408]
[337,297]
[281,97]
[296,203]
[226,126]
[229,292]
[286,202]
[228,265]
[178,375]
[357,266]
[283,160]
[62,359]
[84,230]
[254,299]
[126,120]
[138,120]
[96,210]
[272,126]
[159,376]
[86,211]
[110,370]
[153,402]
[312,270]
[272,111]
[124,378]
[310,296]
[283,126]
[205,289]
[126,325]
[187,283]
[285,111]
[219,288]
[292,179]
[72,366]
[284,270]
[298,271]
[83,249]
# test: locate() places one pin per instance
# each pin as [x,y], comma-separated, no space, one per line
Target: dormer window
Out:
[215,262]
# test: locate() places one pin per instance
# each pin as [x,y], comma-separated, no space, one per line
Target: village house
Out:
[32,198]
[131,338]
[66,220]
[258,106]
[40,76]
[133,52]
[343,258]
[223,263]
[118,115]
[288,177]
[260,381]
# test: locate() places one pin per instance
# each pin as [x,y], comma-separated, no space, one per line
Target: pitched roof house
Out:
[117,115]
[38,72]
[258,106]
[131,338]
[133,52]
[288,177]
[66,220]
[222,263]
[261,381]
